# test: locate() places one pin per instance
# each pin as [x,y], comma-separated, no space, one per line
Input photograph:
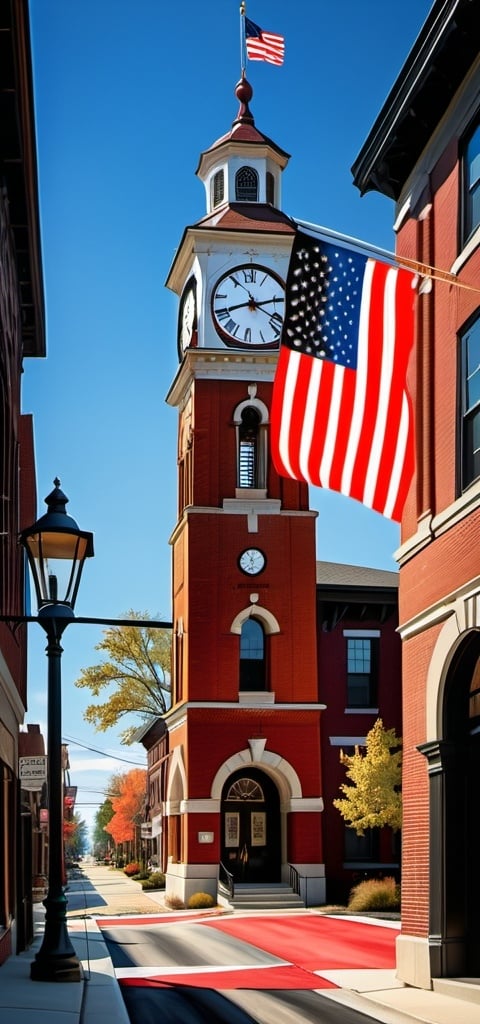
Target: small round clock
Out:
[252,561]
[248,305]
[187,316]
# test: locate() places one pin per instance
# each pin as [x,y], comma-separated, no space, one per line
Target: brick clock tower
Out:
[243,792]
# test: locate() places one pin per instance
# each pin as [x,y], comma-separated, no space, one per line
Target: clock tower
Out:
[243,797]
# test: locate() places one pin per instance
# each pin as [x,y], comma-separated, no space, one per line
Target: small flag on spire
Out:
[263,45]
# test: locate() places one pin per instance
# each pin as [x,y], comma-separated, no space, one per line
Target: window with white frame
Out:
[470,403]
[471,183]
[362,666]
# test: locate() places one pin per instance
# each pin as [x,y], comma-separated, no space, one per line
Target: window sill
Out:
[251,493]
[361,711]
[467,251]
[256,697]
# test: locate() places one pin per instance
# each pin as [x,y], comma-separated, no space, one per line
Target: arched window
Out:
[246,185]
[252,656]
[245,789]
[217,188]
[270,188]
[248,436]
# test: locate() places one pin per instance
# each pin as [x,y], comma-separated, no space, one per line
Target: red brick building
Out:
[244,790]
[21,334]
[424,152]
[359,681]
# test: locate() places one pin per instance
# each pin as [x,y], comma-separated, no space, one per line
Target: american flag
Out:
[263,45]
[341,415]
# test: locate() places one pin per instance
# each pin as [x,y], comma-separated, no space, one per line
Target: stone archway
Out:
[454,773]
[250,825]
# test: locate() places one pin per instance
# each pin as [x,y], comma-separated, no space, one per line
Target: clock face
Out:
[248,305]
[187,316]
[252,561]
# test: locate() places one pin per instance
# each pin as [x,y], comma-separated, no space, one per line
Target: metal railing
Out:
[226,884]
[294,880]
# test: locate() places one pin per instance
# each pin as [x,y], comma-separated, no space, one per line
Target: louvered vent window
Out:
[246,185]
[270,183]
[248,437]
[218,188]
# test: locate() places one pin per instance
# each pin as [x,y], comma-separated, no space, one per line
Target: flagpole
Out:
[422,269]
[243,54]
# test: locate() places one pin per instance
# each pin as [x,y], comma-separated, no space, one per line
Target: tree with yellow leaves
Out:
[374,799]
[137,670]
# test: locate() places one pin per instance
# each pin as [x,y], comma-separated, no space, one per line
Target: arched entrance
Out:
[462,730]
[251,841]
[454,772]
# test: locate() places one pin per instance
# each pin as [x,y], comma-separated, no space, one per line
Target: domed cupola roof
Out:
[243,131]
[244,166]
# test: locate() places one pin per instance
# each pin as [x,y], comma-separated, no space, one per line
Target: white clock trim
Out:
[248,306]
[252,561]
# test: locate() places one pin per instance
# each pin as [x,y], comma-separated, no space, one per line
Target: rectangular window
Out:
[361,848]
[470,404]
[471,184]
[362,672]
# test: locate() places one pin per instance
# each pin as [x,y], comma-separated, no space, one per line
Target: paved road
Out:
[265,969]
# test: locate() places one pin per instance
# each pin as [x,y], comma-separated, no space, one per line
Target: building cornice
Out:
[439,60]
[220,363]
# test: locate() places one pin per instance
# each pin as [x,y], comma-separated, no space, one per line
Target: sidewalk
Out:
[97,997]
[103,892]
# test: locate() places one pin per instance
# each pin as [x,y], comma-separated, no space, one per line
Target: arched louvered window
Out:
[248,454]
[252,656]
[270,188]
[246,185]
[218,188]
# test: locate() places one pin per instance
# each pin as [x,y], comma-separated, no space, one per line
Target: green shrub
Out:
[375,894]
[174,902]
[154,881]
[131,869]
[201,899]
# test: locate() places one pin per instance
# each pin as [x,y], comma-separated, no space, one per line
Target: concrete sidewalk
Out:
[100,891]
[97,891]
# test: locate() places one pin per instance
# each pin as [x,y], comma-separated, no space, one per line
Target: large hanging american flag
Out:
[341,416]
[263,45]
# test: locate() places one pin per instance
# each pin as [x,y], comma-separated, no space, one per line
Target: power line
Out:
[94,750]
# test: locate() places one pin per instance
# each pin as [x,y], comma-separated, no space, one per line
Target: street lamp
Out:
[56,550]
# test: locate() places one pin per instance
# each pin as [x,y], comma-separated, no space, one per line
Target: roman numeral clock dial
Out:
[248,306]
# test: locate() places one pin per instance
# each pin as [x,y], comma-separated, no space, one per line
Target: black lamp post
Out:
[56,550]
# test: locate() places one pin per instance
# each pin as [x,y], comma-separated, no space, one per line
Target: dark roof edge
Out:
[427,48]
[34,345]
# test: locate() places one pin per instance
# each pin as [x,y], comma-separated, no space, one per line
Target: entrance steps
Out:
[264,896]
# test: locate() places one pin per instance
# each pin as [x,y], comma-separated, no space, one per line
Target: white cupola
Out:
[244,166]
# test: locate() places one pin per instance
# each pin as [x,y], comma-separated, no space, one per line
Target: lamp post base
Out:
[56,968]
[56,959]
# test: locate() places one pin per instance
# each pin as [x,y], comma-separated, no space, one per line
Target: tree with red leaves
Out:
[128,806]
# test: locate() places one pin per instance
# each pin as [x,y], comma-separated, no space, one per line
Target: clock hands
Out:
[253,304]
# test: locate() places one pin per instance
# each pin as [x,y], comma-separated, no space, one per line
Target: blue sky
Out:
[127,96]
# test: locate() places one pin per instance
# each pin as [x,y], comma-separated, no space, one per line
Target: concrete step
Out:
[460,988]
[266,897]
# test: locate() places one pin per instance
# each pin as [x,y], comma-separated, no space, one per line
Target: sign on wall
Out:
[32,771]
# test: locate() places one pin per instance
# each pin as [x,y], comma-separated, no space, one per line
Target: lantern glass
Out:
[56,550]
